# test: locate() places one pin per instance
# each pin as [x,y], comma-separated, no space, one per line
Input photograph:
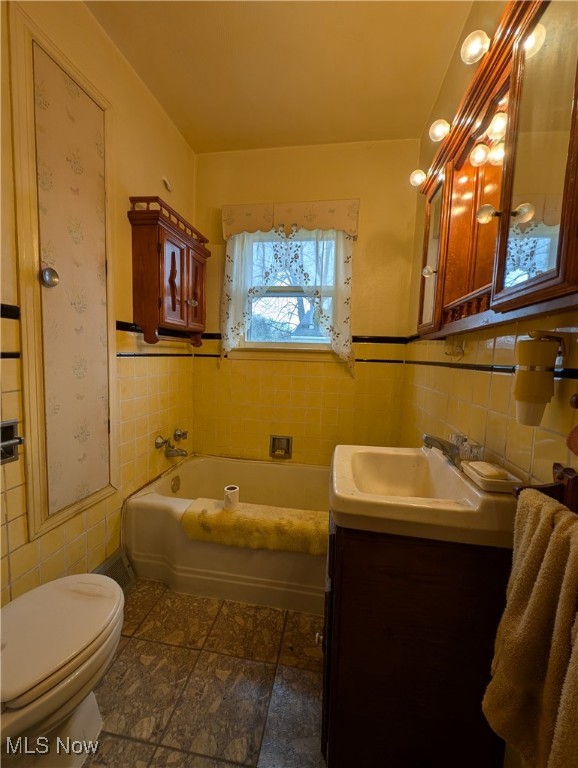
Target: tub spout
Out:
[171,451]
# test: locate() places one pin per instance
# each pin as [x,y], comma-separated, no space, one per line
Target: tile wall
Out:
[153,397]
[237,404]
[478,401]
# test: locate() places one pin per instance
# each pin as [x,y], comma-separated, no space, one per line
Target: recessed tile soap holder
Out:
[280,447]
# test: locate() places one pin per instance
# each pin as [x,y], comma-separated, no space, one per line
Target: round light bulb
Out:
[497,128]
[497,152]
[485,214]
[479,155]
[535,40]
[524,213]
[417,177]
[439,129]
[474,46]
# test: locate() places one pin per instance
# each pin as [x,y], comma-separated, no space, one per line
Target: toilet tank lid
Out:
[45,628]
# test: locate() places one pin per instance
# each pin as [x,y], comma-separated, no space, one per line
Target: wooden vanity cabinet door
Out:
[413,623]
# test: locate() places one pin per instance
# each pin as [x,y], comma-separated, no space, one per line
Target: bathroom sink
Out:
[416,492]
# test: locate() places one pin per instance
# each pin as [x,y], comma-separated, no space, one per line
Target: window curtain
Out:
[330,294]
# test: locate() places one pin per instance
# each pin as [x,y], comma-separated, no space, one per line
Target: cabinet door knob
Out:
[192,302]
[318,638]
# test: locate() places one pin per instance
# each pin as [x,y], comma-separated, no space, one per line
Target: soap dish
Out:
[491,477]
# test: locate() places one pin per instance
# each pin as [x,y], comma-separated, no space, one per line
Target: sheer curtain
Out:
[315,264]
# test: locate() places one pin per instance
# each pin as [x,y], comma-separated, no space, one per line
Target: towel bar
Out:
[564,487]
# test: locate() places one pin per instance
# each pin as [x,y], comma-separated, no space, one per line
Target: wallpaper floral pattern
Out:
[69,127]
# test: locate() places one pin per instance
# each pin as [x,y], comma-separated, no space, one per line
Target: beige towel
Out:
[257,526]
[532,699]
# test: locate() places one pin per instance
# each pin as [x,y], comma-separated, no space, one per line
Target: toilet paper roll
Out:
[231,497]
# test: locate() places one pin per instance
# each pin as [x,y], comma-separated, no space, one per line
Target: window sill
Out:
[304,354]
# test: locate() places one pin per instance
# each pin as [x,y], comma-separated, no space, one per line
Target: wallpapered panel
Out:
[69,129]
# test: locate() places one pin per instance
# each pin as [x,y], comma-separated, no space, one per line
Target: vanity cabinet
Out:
[169,271]
[409,635]
[508,246]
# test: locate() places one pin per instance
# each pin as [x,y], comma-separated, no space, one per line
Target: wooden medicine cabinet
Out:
[169,271]
[508,178]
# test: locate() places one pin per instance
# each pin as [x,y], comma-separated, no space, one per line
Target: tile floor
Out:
[204,683]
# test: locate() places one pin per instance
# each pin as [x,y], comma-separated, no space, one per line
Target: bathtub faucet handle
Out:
[160,441]
[181,434]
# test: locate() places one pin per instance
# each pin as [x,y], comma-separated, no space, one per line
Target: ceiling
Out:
[254,74]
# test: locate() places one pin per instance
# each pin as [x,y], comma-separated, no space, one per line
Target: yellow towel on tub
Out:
[532,699]
[257,526]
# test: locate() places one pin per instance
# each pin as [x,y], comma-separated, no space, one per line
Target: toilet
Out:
[57,642]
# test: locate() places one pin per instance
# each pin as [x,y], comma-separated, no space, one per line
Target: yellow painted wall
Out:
[374,172]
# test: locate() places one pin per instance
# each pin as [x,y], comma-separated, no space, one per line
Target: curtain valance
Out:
[341,215]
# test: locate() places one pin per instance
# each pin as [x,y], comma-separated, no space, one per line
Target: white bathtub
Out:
[158,548]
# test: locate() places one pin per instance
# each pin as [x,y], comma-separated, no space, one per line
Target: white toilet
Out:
[57,642]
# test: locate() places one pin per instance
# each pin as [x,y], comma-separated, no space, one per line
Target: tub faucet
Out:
[448,449]
[171,452]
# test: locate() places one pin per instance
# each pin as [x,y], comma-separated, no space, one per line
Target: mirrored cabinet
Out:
[429,302]
[502,190]
[538,221]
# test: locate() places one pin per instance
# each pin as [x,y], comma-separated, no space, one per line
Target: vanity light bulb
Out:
[417,178]
[497,128]
[497,152]
[479,155]
[535,40]
[485,214]
[439,129]
[474,46]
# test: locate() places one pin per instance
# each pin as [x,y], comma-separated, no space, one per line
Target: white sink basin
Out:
[416,492]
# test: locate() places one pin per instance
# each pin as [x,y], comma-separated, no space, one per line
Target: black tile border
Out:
[10,311]
[560,373]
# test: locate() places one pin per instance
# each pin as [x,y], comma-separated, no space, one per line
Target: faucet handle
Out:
[160,441]
[181,434]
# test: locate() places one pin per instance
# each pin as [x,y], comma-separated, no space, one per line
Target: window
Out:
[292,291]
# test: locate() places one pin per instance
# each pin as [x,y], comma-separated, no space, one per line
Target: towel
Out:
[257,526]
[532,699]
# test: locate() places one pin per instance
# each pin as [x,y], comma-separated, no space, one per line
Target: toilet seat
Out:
[57,641]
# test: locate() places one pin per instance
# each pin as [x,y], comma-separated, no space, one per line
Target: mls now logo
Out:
[42,746]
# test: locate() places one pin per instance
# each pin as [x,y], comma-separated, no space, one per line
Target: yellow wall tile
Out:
[25,583]
[23,559]
[10,334]
[53,567]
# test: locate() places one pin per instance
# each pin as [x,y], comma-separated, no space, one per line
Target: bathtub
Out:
[158,548]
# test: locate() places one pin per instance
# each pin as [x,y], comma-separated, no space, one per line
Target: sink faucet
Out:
[448,449]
